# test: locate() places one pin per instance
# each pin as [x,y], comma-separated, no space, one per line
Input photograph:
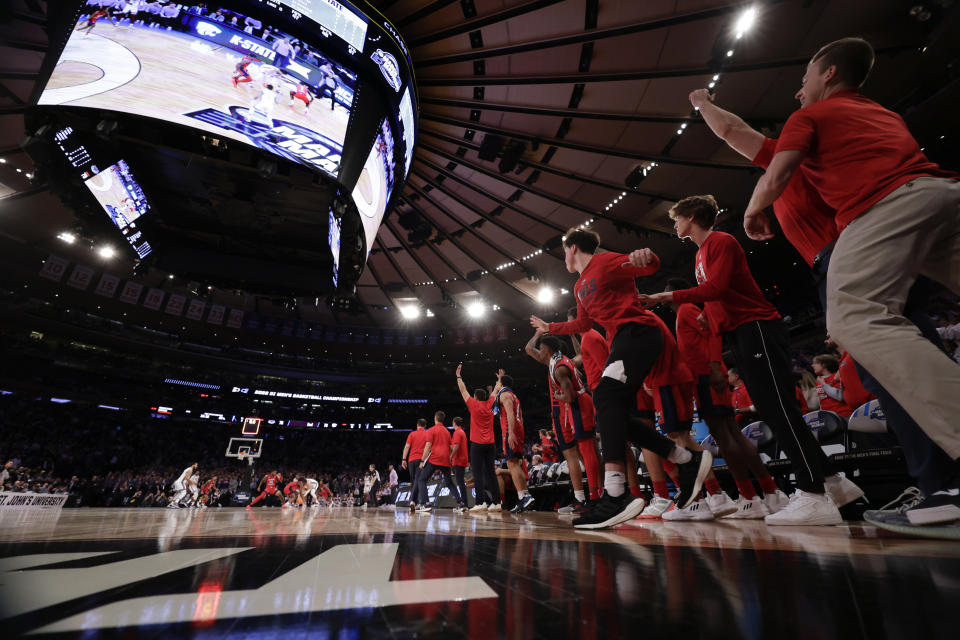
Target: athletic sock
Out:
[636,491]
[745,487]
[613,482]
[522,494]
[679,455]
[592,465]
[579,495]
[712,486]
[669,468]
[595,494]
[767,484]
[660,490]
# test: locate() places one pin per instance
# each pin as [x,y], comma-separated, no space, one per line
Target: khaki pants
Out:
[914,230]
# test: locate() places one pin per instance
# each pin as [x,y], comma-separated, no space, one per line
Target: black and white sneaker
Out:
[692,475]
[609,511]
[524,504]
[938,507]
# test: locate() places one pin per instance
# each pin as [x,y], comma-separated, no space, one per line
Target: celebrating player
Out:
[483,446]
[573,414]
[413,449]
[436,457]
[606,293]
[507,405]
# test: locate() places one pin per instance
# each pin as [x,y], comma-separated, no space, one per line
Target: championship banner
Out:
[235,318]
[403,338]
[216,314]
[474,335]
[359,337]
[389,337]
[418,340]
[108,285]
[53,268]
[460,337]
[501,332]
[488,334]
[270,324]
[433,338]
[81,277]
[374,337]
[131,292]
[287,327]
[253,322]
[12,500]
[175,304]
[153,299]
[195,309]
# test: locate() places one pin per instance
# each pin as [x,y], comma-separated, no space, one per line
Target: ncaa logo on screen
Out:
[388,67]
[208,30]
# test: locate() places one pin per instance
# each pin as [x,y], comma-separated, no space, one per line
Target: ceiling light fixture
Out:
[106,252]
[746,21]
[410,312]
[67,237]
[476,309]
[545,295]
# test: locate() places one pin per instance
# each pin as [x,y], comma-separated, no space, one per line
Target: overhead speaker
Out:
[491,146]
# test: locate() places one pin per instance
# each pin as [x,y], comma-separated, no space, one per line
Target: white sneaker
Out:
[655,509]
[752,509]
[721,505]
[698,510]
[806,509]
[841,490]
[424,509]
[479,507]
[495,508]
[775,501]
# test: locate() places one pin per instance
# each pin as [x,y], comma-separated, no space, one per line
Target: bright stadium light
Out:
[106,252]
[545,295]
[745,21]
[476,309]
[410,312]
[67,237]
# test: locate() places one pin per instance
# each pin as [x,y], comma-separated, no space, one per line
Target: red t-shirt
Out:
[417,440]
[439,439]
[594,352]
[607,294]
[481,420]
[726,285]
[854,395]
[693,340]
[807,221]
[856,152]
[826,402]
[462,457]
[741,400]
[549,450]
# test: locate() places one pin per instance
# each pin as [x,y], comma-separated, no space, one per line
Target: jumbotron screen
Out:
[214,69]
[376,183]
[122,198]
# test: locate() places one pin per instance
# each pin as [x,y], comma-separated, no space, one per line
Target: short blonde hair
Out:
[703,210]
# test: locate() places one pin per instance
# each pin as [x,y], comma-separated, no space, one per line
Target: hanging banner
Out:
[253,322]
[175,304]
[131,292]
[216,314]
[501,332]
[389,337]
[235,318]
[474,335]
[81,277]
[53,268]
[195,309]
[433,338]
[270,324]
[108,285]
[153,299]
[460,337]
[488,334]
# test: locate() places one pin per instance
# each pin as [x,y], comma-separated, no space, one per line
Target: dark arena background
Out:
[247,246]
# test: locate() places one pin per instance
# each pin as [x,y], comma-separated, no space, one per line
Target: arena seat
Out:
[552,473]
[710,444]
[829,429]
[868,418]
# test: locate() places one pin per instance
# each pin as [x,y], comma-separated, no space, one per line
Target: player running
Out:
[93,18]
[240,72]
[606,293]
[291,493]
[304,95]
[180,487]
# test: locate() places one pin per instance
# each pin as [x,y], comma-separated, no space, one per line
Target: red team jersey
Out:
[854,394]
[208,486]
[292,487]
[725,285]
[549,449]
[439,439]
[582,404]
[462,457]
[741,400]
[693,340]
[481,420]
[594,352]
[505,425]
[417,440]
[271,482]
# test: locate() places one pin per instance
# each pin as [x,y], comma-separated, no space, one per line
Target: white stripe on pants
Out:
[914,230]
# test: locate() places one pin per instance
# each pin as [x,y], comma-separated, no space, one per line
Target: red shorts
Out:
[645,405]
[303,97]
[579,418]
[674,403]
[711,402]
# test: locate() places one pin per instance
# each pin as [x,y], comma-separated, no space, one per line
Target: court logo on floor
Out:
[348,576]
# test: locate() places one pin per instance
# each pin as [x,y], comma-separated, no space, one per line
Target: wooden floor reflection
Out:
[353,573]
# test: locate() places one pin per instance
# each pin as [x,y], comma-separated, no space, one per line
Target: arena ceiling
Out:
[581,93]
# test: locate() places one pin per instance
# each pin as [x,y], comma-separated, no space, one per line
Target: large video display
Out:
[376,183]
[210,68]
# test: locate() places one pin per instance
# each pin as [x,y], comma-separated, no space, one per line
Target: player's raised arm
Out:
[463,388]
[727,126]
[533,351]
